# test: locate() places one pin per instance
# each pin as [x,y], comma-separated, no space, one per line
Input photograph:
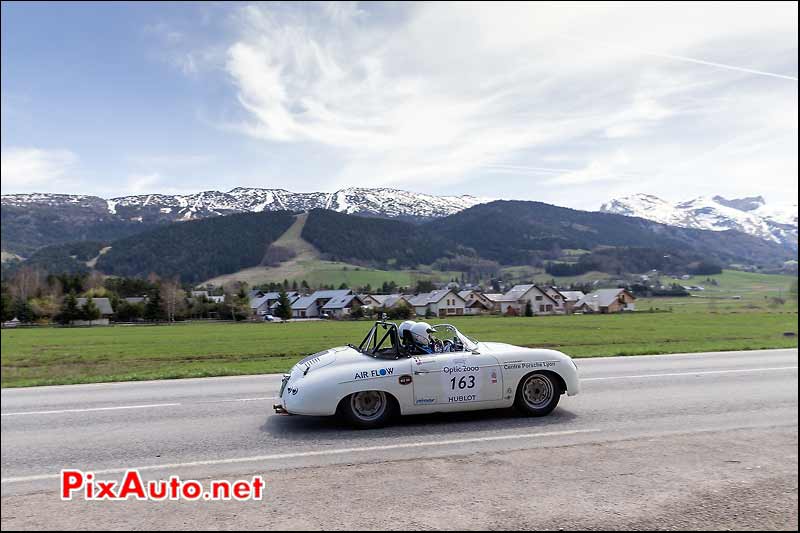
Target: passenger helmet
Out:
[420,332]
[405,326]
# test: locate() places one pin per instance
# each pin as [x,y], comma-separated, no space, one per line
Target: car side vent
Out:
[312,359]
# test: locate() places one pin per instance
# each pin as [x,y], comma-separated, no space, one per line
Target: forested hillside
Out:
[197,250]
[70,258]
[27,229]
[516,232]
[380,242]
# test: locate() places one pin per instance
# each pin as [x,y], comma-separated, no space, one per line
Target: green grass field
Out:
[79,355]
[528,274]
[320,272]
[734,292]
[334,273]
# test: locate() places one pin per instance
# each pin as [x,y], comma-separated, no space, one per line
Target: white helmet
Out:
[405,326]
[420,332]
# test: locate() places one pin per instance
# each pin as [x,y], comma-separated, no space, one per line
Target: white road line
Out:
[699,372]
[340,451]
[261,399]
[734,353]
[123,407]
[92,409]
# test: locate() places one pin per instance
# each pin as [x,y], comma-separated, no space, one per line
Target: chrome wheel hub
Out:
[368,405]
[537,391]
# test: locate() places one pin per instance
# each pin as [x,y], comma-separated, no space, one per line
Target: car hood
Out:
[507,352]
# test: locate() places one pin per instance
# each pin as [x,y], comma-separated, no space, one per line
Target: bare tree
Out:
[55,289]
[173,297]
[27,283]
[236,299]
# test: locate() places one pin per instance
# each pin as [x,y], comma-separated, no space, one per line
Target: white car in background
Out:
[417,368]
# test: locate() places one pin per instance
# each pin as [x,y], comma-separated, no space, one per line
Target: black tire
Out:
[537,394]
[367,409]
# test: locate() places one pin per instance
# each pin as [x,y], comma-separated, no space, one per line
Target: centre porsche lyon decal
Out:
[516,365]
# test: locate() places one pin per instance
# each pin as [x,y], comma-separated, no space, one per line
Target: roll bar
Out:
[372,343]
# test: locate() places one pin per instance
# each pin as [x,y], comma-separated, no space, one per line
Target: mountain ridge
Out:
[750,215]
[388,202]
[481,238]
[32,221]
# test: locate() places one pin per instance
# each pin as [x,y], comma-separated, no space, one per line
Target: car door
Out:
[450,380]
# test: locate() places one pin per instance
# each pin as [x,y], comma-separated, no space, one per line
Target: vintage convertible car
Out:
[395,370]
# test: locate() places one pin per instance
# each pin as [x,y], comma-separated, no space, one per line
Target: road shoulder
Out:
[736,479]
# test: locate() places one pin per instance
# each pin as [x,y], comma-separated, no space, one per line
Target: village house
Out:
[312,306]
[103,305]
[570,299]
[516,300]
[494,298]
[205,296]
[390,301]
[439,303]
[342,306]
[372,300]
[476,303]
[254,293]
[305,307]
[263,302]
[293,297]
[557,297]
[606,301]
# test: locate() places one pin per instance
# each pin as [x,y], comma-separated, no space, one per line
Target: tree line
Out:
[33,296]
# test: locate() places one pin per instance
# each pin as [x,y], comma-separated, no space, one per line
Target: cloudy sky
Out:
[571,104]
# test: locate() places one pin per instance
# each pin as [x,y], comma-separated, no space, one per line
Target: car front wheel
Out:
[366,409]
[537,394]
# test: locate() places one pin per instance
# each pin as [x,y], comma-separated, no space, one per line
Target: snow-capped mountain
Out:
[752,215]
[160,207]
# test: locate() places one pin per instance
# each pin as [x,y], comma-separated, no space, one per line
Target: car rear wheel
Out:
[367,409]
[537,394]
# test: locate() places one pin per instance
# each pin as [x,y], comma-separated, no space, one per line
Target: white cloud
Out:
[143,183]
[36,170]
[171,160]
[152,182]
[618,92]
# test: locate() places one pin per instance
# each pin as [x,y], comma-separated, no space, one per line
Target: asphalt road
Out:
[697,440]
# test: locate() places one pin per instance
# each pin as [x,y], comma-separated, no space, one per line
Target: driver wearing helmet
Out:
[421,337]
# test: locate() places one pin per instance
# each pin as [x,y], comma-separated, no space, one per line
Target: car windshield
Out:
[448,332]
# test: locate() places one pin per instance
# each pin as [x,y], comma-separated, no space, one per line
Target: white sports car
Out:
[417,368]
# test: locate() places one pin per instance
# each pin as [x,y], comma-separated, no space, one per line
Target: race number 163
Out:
[464,382]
